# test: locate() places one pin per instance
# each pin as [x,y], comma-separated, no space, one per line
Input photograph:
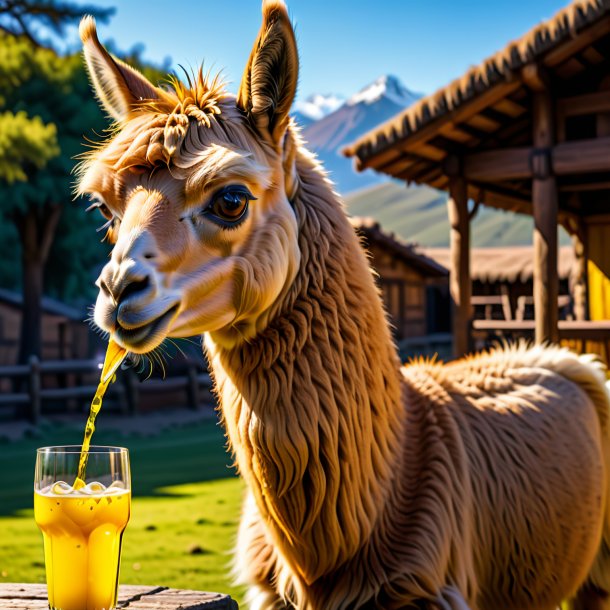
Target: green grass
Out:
[185,497]
[419,215]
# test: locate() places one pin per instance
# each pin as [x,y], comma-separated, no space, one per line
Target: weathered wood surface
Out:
[583,330]
[14,596]
[545,208]
[460,284]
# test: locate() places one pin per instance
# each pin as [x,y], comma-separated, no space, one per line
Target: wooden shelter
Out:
[413,285]
[528,130]
[65,333]
[502,281]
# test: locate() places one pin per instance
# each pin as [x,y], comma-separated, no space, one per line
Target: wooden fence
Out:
[27,396]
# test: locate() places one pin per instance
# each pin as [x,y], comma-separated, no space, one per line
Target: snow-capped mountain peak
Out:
[364,111]
[385,86]
[317,106]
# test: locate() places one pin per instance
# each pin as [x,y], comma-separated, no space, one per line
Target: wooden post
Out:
[34,383]
[459,272]
[545,207]
[132,394]
[192,387]
[578,280]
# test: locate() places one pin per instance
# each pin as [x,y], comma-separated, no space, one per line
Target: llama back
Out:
[534,424]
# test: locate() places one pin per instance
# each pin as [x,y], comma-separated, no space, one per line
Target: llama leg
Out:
[255,561]
[258,598]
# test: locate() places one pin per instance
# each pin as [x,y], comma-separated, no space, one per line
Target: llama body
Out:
[490,493]
[477,485]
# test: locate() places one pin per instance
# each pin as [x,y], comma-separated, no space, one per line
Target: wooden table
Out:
[14,596]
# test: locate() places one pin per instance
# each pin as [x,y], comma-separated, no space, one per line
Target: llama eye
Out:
[138,170]
[229,205]
[104,210]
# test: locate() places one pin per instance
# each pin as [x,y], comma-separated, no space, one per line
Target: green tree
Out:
[37,19]
[45,108]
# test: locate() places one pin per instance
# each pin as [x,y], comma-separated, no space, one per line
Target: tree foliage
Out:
[32,19]
[47,110]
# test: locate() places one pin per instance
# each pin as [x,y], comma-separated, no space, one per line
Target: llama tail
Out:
[596,591]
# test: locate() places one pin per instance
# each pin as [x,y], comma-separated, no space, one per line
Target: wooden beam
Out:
[578,277]
[534,77]
[385,156]
[589,103]
[566,158]
[398,165]
[577,43]
[582,156]
[498,165]
[569,68]
[483,123]
[459,115]
[454,133]
[603,119]
[593,56]
[510,108]
[545,208]
[427,151]
[581,187]
[459,271]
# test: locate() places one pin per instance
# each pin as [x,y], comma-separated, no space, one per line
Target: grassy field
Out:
[419,214]
[184,512]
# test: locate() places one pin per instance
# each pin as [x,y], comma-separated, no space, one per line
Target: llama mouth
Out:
[146,337]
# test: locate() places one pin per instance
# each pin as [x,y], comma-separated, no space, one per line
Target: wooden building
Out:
[502,281]
[65,334]
[527,130]
[414,286]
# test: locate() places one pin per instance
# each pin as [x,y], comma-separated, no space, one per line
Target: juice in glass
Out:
[82,526]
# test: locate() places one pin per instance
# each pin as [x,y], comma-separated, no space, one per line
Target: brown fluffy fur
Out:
[480,484]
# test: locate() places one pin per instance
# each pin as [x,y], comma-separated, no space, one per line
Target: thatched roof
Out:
[501,68]
[372,233]
[505,264]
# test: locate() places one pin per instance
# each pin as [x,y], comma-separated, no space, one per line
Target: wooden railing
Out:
[435,344]
[580,335]
[28,395]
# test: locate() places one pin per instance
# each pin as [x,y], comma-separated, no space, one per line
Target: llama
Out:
[480,484]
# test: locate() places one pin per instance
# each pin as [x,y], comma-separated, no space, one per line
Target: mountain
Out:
[316,107]
[365,110]
[419,214]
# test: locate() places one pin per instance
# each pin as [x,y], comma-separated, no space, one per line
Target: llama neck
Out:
[313,404]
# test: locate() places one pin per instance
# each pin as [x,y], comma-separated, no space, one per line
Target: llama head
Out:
[195,185]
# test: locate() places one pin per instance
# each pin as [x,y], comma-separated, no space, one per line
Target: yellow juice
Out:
[82,545]
[114,356]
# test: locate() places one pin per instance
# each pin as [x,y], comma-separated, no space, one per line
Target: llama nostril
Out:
[134,287]
[149,255]
[104,288]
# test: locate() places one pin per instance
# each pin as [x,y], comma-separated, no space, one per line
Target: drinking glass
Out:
[82,524]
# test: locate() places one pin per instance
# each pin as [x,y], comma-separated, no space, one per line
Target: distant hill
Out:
[419,214]
[365,110]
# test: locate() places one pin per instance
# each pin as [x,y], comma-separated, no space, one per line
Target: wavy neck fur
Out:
[312,406]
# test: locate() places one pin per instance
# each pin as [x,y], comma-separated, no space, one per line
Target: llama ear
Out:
[118,86]
[270,79]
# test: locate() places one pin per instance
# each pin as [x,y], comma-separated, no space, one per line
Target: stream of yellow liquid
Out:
[115,354]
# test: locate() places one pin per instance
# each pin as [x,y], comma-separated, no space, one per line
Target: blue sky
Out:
[344,44]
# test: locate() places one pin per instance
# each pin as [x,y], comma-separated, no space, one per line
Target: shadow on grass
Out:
[176,456]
